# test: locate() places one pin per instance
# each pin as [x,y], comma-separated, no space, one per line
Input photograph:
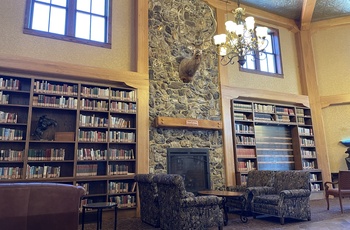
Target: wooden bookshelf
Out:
[270,136]
[91,143]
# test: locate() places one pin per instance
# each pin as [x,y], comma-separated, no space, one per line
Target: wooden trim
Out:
[341,99]
[141,23]
[306,14]
[330,23]
[164,122]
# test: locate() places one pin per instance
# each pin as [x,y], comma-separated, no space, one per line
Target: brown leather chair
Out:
[342,190]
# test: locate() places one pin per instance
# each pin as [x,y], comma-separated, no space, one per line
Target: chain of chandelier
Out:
[241,38]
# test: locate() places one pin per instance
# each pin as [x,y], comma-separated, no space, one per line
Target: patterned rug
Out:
[321,218]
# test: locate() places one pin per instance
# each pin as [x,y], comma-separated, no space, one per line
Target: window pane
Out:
[82,26]
[97,29]
[83,5]
[269,42]
[263,65]
[271,63]
[41,17]
[59,2]
[57,20]
[98,7]
[250,63]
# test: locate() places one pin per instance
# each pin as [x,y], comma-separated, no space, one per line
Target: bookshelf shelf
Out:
[272,136]
[93,144]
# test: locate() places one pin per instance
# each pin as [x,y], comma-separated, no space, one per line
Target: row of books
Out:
[87,170]
[97,105]
[308,153]
[240,116]
[307,142]
[47,87]
[282,118]
[121,154]
[45,171]
[4,98]
[11,155]
[241,128]
[123,107]
[86,186]
[106,93]
[246,165]
[245,140]
[263,117]
[11,83]
[8,134]
[313,177]
[7,173]
[92,121]
[309,165]
[46,154]
[305,131]
[264,108]
[6,117]
[242,106]
[114,136]
[55,102]
[300,112]
[120,187]
[315,187]
[284,110]
[124,200]
[245,152]
[115,169]
[91,154]
[95,121]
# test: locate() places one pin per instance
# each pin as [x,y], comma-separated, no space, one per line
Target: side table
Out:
[100,206]
[226,195]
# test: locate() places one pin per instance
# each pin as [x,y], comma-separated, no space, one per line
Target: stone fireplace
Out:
[174,26]
[192,164]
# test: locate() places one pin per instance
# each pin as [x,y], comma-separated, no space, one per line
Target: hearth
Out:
[192,164]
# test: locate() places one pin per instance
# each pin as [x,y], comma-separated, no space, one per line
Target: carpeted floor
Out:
[321,218]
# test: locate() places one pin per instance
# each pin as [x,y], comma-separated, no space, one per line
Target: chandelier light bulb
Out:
[230,26]
[250,23]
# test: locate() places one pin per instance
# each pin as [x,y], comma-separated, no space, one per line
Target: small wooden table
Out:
[100,206]
[225,195]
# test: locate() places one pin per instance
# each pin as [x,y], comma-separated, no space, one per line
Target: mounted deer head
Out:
[189,66]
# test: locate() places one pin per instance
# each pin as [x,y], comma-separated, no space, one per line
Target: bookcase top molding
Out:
[79,72]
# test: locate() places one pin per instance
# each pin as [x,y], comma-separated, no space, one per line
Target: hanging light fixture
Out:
[240,39]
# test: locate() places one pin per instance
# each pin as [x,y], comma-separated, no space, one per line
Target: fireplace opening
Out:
[192,164]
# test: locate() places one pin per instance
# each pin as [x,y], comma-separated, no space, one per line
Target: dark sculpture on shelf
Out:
[347,159]
[43,124]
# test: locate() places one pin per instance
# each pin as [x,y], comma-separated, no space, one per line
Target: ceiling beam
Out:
[326,24]
[306,14]
[259,15]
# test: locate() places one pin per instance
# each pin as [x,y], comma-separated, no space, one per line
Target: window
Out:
[267,62]
[84,21]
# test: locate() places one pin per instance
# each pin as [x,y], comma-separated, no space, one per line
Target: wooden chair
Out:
[343,189]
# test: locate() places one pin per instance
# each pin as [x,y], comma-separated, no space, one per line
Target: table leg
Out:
[225,211]
[82,218]
[98,219]
[115,217]
[243,217]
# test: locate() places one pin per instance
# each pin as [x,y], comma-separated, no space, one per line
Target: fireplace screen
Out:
[192,164]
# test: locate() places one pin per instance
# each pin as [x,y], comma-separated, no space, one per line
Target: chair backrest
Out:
[171,189]
[259,178]
[147,187]
[292,179]
[344,180]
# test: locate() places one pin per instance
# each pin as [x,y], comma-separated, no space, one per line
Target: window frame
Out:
[277,56]
[69,26]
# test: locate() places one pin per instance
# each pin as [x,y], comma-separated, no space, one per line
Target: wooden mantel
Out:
[164,122]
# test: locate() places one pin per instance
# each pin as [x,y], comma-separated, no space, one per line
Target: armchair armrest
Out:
[257,191]
[201,201]
[292,193]
[237,188]
[328,183]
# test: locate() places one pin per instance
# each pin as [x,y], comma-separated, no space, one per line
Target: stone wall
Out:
[176,29]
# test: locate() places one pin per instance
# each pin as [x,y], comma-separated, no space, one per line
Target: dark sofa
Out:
[39,206]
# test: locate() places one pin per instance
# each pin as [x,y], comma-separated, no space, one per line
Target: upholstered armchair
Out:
[148,193]
[289,198]
[180,209]
[256,178]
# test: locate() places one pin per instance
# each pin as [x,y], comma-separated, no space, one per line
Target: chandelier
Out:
[240,39]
